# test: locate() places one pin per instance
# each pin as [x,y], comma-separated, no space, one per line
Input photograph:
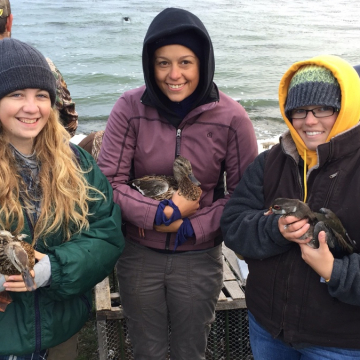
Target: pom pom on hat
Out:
[23,67]
[313,85]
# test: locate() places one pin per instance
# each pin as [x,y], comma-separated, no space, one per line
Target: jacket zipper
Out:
[286,298]
[301,186]
[177,153]
[178,142]
[333,178]
[36,299]
[37,322]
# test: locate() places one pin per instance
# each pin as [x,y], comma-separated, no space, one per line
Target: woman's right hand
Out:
[291,228]
[186,207]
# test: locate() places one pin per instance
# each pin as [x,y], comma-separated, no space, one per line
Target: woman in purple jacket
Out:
[179,111]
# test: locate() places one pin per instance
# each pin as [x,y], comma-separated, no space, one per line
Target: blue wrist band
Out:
[160,217]
[185,231]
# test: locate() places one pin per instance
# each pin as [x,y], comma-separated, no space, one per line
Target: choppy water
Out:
[99,53]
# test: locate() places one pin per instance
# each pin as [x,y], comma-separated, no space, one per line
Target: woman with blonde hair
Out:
[54,193]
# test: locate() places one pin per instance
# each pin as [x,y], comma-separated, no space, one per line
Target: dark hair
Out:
[3,21]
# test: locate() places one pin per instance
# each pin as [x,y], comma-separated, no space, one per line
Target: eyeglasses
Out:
[320,112]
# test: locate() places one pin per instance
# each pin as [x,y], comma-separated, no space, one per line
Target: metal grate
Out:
[228,338]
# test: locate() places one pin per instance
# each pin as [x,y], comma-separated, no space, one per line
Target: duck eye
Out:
[276,207]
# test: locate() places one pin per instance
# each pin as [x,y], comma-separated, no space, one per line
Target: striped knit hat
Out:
[23,67]
[313,85]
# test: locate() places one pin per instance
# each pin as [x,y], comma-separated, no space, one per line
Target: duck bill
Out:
[269,212]
[194,180]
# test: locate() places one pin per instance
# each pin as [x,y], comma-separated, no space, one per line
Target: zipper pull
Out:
[333,175]
[225,184]
[178,142]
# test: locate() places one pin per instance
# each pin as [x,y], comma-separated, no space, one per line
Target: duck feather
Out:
[161,187]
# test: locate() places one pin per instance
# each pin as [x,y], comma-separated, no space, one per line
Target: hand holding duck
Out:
[16,283]
[187,208]
[321,259]
[293,229]
[325,220]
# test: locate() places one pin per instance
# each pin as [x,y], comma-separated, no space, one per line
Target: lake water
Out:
[255,42]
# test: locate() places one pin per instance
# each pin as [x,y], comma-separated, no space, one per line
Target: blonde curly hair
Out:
[65,191]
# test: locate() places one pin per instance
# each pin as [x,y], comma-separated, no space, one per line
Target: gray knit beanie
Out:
[313,85]
[23,67]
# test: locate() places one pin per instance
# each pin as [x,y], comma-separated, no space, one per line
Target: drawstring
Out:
[305,183]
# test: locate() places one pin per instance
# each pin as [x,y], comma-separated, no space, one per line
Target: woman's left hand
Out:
[15,282]
[321,259]
[173,227]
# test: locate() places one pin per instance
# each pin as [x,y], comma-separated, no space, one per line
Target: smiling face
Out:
[177,71]
[314,131]
[23,114]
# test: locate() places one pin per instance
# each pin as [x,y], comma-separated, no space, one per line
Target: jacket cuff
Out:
[2,281]
[55,271]
[42,271]
[150,215]
[336,273]
[199,233]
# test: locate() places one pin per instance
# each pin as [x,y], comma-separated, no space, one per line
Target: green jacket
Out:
[52,314]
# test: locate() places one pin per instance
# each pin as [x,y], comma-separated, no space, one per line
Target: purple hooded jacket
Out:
[140,139]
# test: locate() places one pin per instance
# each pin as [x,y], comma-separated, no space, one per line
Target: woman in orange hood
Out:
[303,303]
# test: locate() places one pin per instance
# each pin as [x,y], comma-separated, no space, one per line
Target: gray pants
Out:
[183,286]
[67,350]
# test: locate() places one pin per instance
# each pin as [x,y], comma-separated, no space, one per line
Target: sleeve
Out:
[89,256]
[2,282]
[344,282]
[241,151]
[247,231]
[115,161]
[64,103]
[42,271]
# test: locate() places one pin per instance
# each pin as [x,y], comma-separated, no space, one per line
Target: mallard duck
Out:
[337,237]
[17,257]
[161,187]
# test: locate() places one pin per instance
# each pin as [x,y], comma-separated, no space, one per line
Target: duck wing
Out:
[156,187]
[338,239]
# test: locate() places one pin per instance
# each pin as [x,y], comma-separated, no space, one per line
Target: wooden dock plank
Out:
[228,274]
[102,295]
[234,290]
[232,260]
[222,297]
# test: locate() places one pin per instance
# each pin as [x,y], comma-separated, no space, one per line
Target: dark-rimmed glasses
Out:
[319,112]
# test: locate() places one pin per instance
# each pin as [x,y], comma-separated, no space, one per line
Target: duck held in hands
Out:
[161,187]
[337,238]
[17,257]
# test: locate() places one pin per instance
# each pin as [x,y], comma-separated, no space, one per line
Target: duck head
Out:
[182,168]
[294,207]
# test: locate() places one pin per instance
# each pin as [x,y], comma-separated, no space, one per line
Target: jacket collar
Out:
[146,99]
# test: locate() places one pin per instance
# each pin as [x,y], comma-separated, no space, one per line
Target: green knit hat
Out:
[312,85]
